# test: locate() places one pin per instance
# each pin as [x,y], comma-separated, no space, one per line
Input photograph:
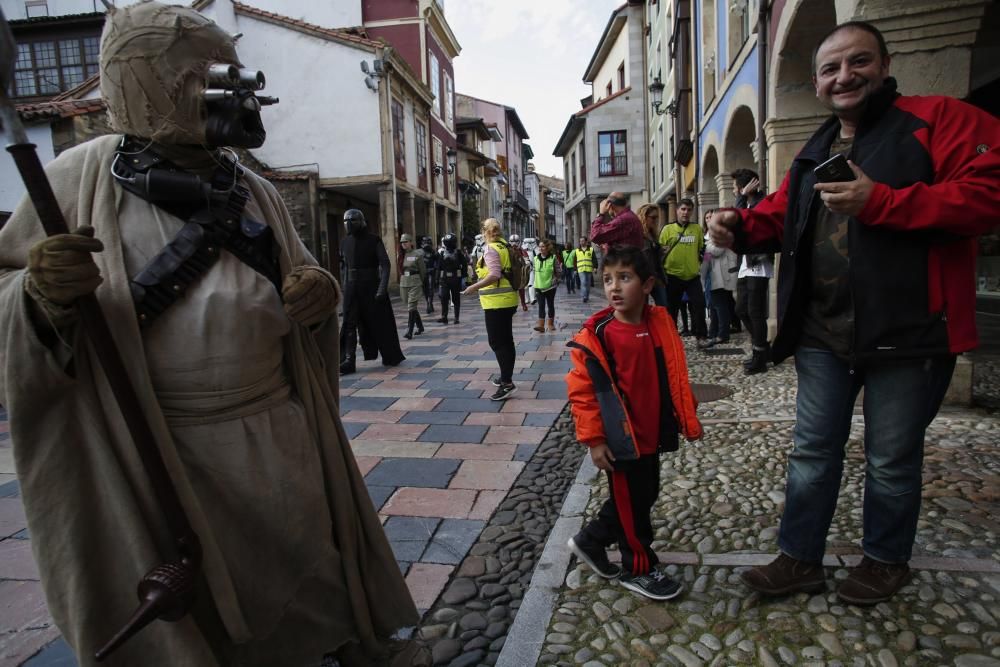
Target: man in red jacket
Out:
[876,290]
[616,224]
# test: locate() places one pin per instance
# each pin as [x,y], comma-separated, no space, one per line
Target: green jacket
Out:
[684,247]
[413,264]
[545,271]
[569,258]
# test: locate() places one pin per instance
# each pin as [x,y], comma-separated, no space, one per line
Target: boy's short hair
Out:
[685,201]
[743,176]
[629,256]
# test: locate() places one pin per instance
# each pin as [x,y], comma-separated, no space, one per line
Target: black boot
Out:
[758,362]
[420,323]
[458,307]
[444,313]
[347,364]
[430,305]
[409,326]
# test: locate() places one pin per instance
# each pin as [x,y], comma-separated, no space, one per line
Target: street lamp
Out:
[656,90]
[452,156]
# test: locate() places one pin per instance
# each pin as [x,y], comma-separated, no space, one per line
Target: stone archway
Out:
[740,136]
[708,189]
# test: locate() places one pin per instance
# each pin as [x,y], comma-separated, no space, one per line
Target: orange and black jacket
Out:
[601,411]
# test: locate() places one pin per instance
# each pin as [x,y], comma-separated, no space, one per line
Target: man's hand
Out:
[62,267]
[720,228]
[847,197]
[605,208]
[750,187]
[310,295]
[602,457]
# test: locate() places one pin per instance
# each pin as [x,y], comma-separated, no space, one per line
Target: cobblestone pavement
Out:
[438,456]
[718,514]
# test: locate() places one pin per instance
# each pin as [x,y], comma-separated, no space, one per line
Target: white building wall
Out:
[16,9]
[623,113]
[326,114]
[11,187]
[609,69]
[337,14]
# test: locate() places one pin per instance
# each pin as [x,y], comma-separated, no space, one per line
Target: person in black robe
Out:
[431,281]
[367,312]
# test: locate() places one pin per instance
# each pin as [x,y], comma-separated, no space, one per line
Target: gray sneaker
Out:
[503,392]
[654,585]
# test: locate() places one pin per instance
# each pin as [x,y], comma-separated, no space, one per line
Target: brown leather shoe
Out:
[872,582]
[785,575]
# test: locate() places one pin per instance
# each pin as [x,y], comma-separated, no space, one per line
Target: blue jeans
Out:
[659,295]
[586,278]
[901,398]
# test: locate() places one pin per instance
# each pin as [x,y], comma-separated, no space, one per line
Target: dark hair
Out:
[744,176]
[864,26]
[686,202]
[629,256]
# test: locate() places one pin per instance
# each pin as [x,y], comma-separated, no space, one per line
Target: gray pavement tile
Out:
[56,654]
[467,404]
[540,419]
[4,436]
[348,403]
[454,394]
[453,539]
[380,494]
[360,383]
[553,366]
[404,566]
[21,535]
[11,489]
[426,363]
[453,385]
[354,429]
[409,535]
[444,433]
[552,393]
[549,386]
[424,473]
[433,417]
[524,452]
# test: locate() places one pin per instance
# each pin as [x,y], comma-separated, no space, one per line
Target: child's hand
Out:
[602,457]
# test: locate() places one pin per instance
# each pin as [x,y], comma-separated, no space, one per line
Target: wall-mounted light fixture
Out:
[656,91]
[452,156]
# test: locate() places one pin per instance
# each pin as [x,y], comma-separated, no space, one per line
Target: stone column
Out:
[785,138]
[408,223]
[725,184]
[387,227]
[704,202]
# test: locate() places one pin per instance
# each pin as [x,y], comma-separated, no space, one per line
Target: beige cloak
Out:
[296,563]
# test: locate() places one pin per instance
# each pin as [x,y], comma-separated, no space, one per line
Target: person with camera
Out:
[616,224]
[875,291]
[754,280]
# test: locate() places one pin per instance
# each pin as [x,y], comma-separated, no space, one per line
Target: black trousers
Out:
[676,288]
[451,288]
[500,332]
[546,297]
[751,307]
[625,516]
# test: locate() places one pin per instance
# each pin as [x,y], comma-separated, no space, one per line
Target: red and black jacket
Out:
[936,166]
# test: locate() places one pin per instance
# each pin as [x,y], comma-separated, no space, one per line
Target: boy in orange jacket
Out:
[630,397]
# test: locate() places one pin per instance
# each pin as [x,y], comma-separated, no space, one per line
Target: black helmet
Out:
[354,222]
[450,241]
[425,241]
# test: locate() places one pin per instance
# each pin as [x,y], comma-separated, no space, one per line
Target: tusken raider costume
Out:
[229,332]
[368,314]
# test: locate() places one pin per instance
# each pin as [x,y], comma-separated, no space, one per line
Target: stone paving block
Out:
[734,560]
[552,366]
[463,377]
[452,541]
[349,403]
[546,419]
[516,435]
[385,448]
[11,489]
[472,404]
[23,607]
[434,417]
[451,393]
[392,432]
[495,419]
[7,461]
[533,406]
[354,429]
[444,503]
[425,473]
[366,463]
[499,475]
[409,535]
[16,561]
[524,452]
[424,404]
[379,494]
[521,393]
[399,384]
[16,648]
[444,433]
[442,384]
[426,581]
[56,654]
[486,504]
[476,452]
[549,394]
[373,416]
[378,392]
[11,517]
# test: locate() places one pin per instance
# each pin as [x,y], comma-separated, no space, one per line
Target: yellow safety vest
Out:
[584,260]
[499,294]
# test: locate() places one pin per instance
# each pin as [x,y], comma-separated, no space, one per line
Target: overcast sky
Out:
[529,54]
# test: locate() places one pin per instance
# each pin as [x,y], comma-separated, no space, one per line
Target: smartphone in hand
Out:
[834,170]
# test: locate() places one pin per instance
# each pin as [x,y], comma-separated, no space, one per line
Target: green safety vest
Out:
[584,260]
[545,270]
[499,294]
[569,261]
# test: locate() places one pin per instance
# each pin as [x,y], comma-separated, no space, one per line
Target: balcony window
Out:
[612,153]
[49,67]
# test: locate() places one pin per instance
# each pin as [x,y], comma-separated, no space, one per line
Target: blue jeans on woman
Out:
[901,398]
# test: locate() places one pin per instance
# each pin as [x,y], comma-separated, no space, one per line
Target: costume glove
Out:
[61,267]
[381,295]
[310,294]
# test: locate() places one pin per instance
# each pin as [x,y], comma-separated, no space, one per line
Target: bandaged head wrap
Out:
[154,60]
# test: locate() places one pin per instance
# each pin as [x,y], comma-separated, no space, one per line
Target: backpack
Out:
[517,275]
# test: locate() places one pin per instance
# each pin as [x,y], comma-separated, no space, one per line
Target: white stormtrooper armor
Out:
[530,246]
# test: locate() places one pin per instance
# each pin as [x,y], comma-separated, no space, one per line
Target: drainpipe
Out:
[762,28]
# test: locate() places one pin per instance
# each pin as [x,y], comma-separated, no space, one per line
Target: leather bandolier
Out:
[215,222]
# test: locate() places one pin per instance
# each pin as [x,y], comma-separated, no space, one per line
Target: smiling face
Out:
[626,292]
[849,70]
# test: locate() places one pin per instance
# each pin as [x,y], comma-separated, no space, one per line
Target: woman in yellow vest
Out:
[499,301]
[545,285]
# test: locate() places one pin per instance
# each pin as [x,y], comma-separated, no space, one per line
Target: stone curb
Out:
[527,633]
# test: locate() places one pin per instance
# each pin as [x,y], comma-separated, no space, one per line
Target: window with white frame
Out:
[435,73]
[449,101]
[51,66]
